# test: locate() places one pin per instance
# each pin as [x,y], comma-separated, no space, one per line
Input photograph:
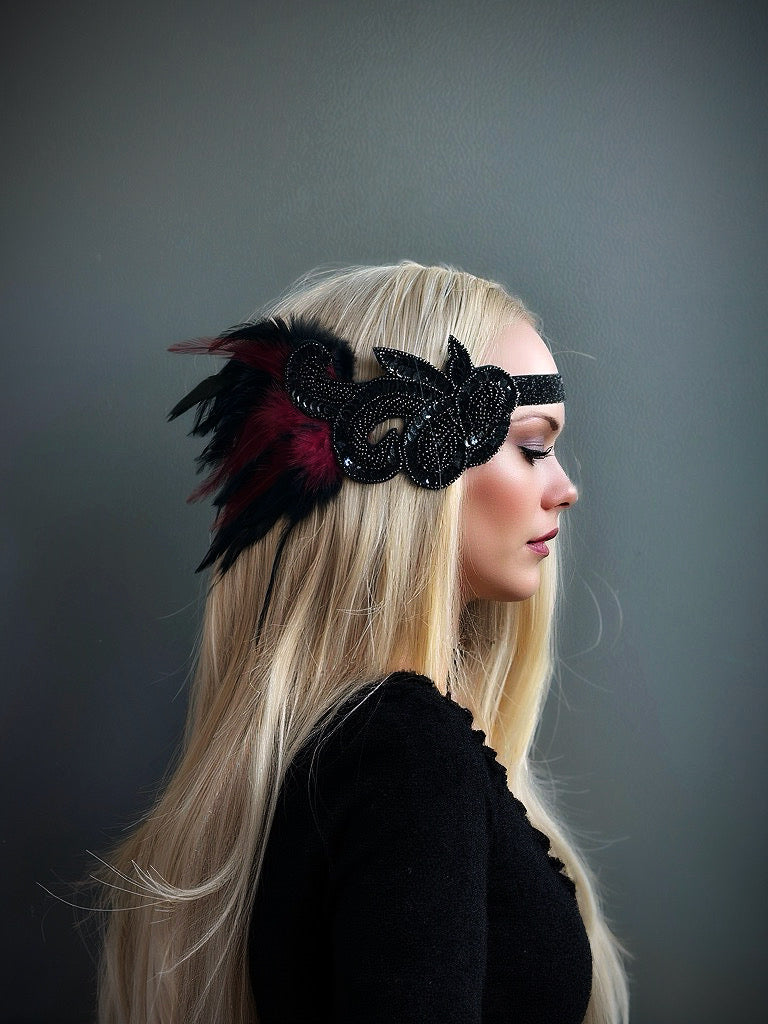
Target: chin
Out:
[504,590]
[519,594]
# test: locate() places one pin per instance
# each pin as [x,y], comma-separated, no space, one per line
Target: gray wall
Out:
[168,168]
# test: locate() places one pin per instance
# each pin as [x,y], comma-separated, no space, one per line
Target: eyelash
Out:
[531,455]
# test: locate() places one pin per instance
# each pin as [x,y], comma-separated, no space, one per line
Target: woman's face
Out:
[513,499]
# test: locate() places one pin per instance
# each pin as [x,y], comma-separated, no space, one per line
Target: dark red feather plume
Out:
[266,459]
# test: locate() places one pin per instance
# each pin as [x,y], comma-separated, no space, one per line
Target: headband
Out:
[289,422]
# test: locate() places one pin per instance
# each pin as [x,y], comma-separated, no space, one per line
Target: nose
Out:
[562,492]
[571,492]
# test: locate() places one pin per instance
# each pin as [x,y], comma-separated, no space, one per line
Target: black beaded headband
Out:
[289,422]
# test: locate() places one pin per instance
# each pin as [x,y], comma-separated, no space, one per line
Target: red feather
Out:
[312,450]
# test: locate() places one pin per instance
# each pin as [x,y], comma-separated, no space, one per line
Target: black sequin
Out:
[452,419]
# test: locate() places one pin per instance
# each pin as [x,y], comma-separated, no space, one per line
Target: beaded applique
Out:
[453,419]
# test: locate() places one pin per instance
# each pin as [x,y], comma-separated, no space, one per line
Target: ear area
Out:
[486,403]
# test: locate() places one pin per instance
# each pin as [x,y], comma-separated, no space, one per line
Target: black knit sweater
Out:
[403,882]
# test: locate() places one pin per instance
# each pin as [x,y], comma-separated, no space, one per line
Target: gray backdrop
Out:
[168,168]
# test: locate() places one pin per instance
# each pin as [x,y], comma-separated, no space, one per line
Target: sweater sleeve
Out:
[403,815]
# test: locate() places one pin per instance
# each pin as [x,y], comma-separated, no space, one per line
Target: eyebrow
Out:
[538,416]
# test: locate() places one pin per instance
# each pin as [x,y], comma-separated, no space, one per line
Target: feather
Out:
[266,458]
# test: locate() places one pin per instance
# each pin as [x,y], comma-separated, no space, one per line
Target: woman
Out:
[336,842]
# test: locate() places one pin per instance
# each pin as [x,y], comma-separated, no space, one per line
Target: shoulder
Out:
[398,747]
[397,776]
[407,722]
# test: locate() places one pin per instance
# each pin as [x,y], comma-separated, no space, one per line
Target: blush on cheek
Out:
[501,512]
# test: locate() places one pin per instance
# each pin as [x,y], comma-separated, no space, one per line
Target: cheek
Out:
[497,489]
[494,507]
[497,519]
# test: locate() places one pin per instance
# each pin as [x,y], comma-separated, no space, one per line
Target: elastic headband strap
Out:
[540,389]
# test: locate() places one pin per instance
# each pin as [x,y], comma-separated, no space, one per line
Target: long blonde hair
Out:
[367,585]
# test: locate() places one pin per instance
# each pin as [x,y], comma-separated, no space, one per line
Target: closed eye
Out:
[532,454]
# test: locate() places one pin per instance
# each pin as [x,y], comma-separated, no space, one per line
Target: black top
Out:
[403,882]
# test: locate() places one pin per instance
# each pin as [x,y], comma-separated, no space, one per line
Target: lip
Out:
[539,546]
[547,536]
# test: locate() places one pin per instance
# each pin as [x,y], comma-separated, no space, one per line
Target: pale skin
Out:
[509,500]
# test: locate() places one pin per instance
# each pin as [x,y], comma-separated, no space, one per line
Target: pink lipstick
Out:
[538,544]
